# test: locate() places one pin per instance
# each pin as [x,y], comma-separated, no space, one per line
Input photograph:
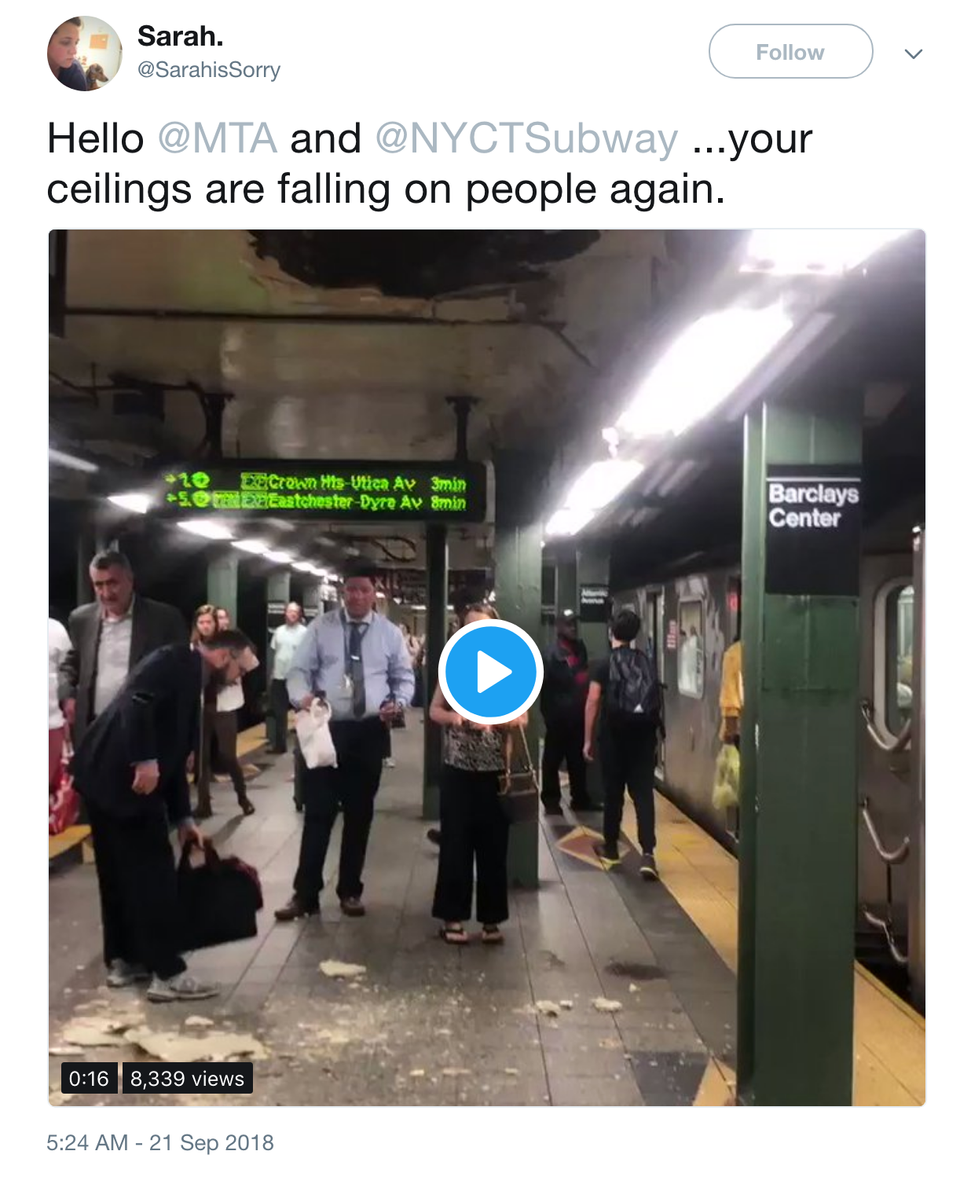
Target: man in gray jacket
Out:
[110,636]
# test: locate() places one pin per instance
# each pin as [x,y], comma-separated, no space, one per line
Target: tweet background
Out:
[882,154]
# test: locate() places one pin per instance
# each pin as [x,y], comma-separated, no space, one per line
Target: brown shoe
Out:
[296,909]
[352,907]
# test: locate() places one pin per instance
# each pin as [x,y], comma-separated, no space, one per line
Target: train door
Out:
[916,912]
[887,786]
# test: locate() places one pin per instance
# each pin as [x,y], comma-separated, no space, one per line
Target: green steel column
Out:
[566,584]
[278,586]
[593,568]
[801,683]
[437,594]
[751,612]
[222,582]
[519,581]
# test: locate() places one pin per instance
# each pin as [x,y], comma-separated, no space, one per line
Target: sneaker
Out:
[182,987]
[352,907]
[552,808]
[433,835]
[648,867]
[120,974]
[607,853]
[202,812]
[295,909]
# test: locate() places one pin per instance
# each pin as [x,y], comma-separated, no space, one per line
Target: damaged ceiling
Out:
[334,344]
[321,344]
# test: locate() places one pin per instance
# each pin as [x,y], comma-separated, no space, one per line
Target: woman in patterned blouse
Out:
[473,827]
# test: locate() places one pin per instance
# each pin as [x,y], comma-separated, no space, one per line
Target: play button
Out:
[491,671]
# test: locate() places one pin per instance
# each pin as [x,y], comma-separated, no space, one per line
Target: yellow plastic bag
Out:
[726,780]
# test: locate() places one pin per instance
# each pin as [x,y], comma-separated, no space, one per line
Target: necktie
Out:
[356,669]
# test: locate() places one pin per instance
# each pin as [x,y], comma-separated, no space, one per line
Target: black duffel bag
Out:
[217,901]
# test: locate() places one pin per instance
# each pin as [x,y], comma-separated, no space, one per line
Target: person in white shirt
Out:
[58,646]
[284,645]
[218,724]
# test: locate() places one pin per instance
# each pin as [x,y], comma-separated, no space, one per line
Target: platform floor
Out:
[431,1024]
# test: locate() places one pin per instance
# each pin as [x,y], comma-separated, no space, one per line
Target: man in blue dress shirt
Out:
[358,662]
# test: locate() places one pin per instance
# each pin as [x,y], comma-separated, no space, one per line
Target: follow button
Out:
[790,51]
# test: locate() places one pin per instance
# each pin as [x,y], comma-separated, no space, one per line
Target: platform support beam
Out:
[593,568]
[798,872]
[278,586]
[518,559]
[437,596]
[566,595]
[222,582]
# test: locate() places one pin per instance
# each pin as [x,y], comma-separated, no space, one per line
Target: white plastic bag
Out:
[313,733]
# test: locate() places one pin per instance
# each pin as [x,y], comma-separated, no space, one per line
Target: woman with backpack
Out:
[625,695]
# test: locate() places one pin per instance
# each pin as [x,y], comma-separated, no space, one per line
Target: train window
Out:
[898,652]
[690,649]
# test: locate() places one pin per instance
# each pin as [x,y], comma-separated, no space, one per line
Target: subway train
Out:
[678,567]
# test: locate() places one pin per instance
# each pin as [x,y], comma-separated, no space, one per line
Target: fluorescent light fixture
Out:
[256,547]
[207,528]
[600,484]
[823,252]
[567,522]
[59,458]
[702,367]
[318,571]
[279,557]
[303,566]
[140,503]
[381,596]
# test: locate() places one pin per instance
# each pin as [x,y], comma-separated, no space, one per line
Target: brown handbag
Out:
[519,793]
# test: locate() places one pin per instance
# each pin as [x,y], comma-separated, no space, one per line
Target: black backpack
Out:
[633,693]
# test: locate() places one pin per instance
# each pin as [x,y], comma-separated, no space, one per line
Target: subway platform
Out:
[426,1023]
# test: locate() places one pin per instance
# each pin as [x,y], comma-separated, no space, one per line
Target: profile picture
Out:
[84,53]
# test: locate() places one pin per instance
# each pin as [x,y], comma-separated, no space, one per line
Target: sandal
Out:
[454,934]
[491,934]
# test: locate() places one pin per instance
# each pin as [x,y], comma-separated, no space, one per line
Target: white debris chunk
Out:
[178,1048]
[340,968]
[605,1006]
[197,1020]
[550,1008]
[453,1072]
[56,1051]
[511,1071]
[566,1004]
[104,1031]
[634,988]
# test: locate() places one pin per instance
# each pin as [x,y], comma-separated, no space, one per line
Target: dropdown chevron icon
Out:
[913,55]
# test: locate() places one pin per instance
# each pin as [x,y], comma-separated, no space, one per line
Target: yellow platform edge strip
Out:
[700,874]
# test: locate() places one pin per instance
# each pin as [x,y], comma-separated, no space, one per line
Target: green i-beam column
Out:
[593,580]
[518,555]
[222,582]
[437,570]
[801,548]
